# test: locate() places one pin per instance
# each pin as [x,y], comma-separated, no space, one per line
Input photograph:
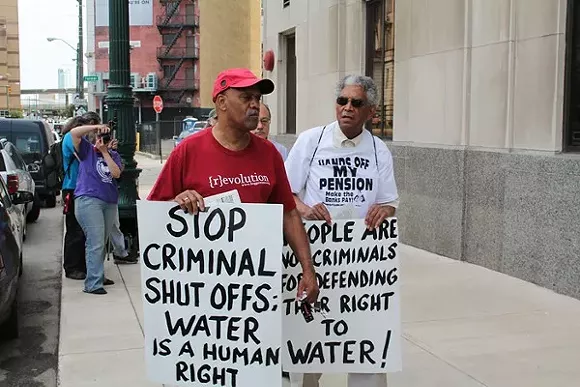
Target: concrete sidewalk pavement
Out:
[464,326]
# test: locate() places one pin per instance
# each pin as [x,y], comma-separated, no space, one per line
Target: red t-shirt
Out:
[202,164]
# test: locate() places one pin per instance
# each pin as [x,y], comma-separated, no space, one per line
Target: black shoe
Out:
[108,282]
[128,260]
[99,291]
[76,275]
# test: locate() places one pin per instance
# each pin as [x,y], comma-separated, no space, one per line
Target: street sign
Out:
[158,104]
[79,102]
[80,111]
[91,78]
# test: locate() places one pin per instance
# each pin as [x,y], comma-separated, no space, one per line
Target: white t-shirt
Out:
[341,176]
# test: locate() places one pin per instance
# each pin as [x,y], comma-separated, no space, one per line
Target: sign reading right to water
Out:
[359,327]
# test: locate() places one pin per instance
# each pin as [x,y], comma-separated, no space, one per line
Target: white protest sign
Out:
[359,328]
[211,294]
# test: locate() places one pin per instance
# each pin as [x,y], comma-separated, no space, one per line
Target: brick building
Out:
[9,57]
[164,39]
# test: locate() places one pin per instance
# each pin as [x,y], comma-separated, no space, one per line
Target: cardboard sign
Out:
[211,294]
[359,327]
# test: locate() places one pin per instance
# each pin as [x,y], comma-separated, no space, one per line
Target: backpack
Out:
[54,167]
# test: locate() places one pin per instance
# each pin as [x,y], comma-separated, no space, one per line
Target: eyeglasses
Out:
[342,101]
[265,120]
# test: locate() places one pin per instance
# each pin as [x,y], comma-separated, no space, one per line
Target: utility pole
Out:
[80,75]
[119,100]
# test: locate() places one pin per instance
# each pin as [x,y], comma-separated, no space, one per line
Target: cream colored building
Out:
[229,37]
[9,57]
[486,119]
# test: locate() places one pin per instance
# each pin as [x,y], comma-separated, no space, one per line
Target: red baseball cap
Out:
[240,78]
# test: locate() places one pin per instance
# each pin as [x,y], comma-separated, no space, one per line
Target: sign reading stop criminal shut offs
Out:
[211,286]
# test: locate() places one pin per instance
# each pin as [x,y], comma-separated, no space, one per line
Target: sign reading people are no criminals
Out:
[211,286]
[359,329]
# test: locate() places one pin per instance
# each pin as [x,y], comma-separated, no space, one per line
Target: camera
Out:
[106,137]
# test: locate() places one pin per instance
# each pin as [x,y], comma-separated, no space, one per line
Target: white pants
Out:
[354,380]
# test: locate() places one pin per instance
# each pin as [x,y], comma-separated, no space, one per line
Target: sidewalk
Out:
[464,326]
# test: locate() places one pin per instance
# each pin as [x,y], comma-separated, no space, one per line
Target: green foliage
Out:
[16,113]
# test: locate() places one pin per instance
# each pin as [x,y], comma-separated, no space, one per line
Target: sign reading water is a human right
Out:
[211,284]
[358,328]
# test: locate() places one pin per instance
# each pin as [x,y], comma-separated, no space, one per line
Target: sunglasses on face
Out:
[356,103]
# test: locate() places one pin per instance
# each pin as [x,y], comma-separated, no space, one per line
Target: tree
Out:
[16,113]
[70,110]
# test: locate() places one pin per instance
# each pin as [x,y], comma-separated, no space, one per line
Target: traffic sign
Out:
[158,104]
[80,111]
[91,78]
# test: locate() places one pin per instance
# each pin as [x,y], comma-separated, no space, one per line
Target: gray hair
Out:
[268,109]
[367,83]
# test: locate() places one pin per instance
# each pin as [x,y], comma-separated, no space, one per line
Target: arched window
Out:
[380,61]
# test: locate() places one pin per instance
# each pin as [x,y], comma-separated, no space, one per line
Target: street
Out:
[32,360]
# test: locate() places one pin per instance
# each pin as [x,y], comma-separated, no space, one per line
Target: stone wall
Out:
[517,213]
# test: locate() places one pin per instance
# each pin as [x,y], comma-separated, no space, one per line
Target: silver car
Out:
[17,177]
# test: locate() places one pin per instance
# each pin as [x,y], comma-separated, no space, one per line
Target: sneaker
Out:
[99,291]
[108,282]
[76,275]
[125,260]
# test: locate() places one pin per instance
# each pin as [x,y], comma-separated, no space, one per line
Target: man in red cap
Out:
[229,157]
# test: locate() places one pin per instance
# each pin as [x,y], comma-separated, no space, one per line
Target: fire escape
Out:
[177,27]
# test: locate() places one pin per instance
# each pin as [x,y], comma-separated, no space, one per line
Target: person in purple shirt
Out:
[96,197]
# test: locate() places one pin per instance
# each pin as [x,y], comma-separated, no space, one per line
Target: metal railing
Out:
[180,84]
[178,21]
[156,137]
[168,52]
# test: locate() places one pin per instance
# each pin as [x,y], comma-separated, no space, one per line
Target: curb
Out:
[148,155]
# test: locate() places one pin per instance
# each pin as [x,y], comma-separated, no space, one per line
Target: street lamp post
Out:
[80,75]
[120,106]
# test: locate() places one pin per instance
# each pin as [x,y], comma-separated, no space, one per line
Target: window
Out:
[167,39]
[285,3]
[380,62]
[571,135]
[168,70]
[16,159]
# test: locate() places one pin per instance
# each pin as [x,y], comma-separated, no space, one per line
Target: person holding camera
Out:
[96,197]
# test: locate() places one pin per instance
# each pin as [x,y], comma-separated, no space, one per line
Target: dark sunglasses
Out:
[356,103]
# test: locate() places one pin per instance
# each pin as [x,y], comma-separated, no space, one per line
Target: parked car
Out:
[57,127]
[11,237]
[189,130]
[17,177]
[33,139]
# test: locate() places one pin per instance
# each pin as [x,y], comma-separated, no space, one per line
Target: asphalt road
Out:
[32,360]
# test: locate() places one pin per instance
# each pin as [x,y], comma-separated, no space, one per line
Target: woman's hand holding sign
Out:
[190,201]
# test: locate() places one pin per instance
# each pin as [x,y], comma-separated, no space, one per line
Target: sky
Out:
[40,59]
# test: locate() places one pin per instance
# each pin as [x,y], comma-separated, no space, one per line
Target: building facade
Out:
[9,58]
[230,37]
[484,125]
[164,38]
[64,79]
